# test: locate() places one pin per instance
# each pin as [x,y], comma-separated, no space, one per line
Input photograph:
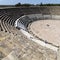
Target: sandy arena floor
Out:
[48,30]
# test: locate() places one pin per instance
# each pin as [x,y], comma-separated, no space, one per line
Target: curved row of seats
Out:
[27,19]
[7,14]
[6,23]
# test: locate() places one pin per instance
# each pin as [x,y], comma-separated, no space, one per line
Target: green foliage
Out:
[18,4]
[49,4]
[41,4]
[27,5]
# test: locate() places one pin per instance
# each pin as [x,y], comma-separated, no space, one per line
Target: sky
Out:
[13,2]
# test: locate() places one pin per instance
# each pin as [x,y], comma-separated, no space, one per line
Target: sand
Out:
[48,30]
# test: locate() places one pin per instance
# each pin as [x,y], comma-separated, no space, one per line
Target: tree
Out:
[18,4]
[41,4]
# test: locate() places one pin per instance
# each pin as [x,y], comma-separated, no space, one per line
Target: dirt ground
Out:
[48,30]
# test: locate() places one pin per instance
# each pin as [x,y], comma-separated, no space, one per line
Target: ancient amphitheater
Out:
[30,33]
